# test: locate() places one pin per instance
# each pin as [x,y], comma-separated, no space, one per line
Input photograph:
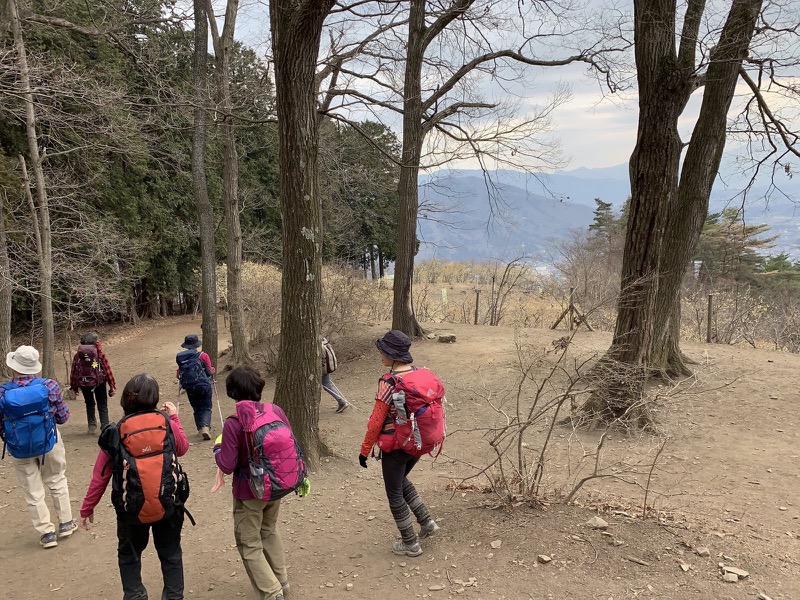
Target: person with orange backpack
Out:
[139,455]
[257,445]
[407,421]
[90,373]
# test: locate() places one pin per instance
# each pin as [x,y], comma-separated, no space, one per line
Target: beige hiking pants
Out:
[34,474]
[255,528]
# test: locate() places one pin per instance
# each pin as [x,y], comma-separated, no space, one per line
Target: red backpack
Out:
[418,415]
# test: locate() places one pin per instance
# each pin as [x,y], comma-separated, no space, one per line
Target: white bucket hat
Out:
[25,360]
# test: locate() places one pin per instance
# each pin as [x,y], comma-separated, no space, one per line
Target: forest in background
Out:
[115,123]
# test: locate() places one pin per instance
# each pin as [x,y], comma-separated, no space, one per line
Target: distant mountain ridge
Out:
[465,217]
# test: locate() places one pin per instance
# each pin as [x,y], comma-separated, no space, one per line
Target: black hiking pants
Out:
[97,395]
[403,497]
[133,538]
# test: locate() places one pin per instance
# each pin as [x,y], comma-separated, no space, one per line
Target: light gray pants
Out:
[34,474]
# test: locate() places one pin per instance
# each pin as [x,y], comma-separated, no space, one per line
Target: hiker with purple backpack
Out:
[257,445]
[90,373]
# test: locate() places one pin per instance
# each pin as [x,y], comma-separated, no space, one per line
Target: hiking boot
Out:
[428,529]
[49,540]
[403,549]
[285,587]
[66,529]
[343,406]
[92,429]
[205,433]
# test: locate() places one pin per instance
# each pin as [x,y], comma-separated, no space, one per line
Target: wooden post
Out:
[708,319]
[571,308]
[477,302]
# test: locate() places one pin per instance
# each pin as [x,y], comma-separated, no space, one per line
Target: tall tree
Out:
[40,210]
[205,210]
[296,27]
[5,275]
[669,201]
[431,79]
[223,48]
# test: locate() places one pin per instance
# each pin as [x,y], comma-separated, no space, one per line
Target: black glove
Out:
[362,460]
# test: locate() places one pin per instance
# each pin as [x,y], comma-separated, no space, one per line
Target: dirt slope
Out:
[729,481]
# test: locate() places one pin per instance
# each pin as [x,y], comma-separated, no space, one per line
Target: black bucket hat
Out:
[191,341]
[395,345]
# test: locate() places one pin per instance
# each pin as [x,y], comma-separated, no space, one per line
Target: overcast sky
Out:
[595,129]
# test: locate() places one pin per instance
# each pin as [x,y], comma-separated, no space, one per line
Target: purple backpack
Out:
[90,373]
[275,460]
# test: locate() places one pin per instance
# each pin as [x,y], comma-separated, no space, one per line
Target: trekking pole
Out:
[178,400]
[219,407]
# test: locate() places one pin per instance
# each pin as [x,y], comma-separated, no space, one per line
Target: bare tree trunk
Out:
[223,46]
[372,268]
[5,283]
[46,254]
[205,211]
[296,29]
[666,218]
[700,168]
[407,188]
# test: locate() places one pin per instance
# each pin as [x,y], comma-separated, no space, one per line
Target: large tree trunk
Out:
[46,252]
[407,188]
[5,284]
[205,211]
[296,29]
[663,92]
[223,46]
[700,167]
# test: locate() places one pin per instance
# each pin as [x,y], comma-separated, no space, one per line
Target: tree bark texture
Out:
[205,211]
[700,166]
[663,93]
[5,284]
[46,254]
[296,30]
[223,46]
[403,317]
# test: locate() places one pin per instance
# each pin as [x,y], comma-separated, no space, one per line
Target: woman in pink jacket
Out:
[139,401]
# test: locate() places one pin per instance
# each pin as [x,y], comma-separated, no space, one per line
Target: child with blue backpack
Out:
[30,409]
[195,373]
[257,445]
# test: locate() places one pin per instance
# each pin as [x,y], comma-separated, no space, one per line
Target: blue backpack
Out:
[29,426]
[191,371]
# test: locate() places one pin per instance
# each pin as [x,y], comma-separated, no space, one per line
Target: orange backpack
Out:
[148,483]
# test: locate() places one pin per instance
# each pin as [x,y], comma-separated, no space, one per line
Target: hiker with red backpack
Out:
[139,455]
[196,376]
[90,373]
[407,421]
[257,445]
[30,409]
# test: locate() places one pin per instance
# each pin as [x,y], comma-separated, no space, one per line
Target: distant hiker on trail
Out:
[90,373]
[148,486]
[195,374]
[257,445]
[30,408]
[407,421]
[329,364]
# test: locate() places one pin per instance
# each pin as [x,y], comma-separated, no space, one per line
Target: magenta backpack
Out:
[275,460]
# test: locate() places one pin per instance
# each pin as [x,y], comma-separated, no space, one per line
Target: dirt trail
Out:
[730,482]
